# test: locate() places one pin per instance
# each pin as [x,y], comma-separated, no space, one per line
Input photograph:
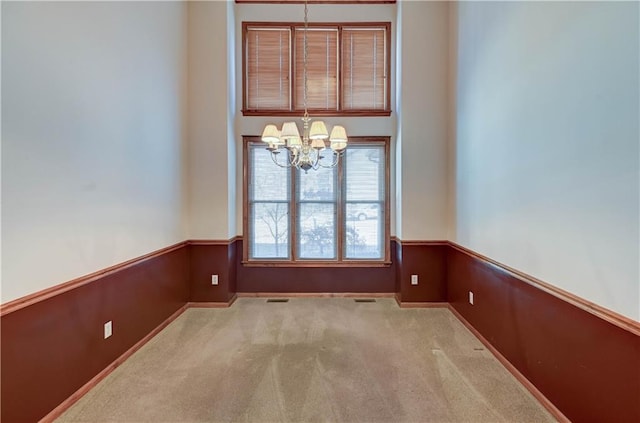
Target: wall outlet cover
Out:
[108,329]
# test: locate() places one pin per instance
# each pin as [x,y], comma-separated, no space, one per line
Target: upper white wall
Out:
[92,137]
[423,120]
[211,172]
[547,143]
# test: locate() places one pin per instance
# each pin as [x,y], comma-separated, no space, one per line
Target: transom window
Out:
[348,68]
[333,215]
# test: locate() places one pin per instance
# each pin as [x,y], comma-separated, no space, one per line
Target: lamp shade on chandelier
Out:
[307,151]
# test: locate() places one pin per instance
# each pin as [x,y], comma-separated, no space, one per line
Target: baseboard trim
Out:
[316,294]
[66,404]
[28,300]
[598,311]
[423,304]
[555,412]
[213,304]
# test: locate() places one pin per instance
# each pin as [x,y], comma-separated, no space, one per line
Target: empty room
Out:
[321,210]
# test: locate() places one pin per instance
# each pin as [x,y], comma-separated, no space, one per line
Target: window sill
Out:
[342,113]
[326,264]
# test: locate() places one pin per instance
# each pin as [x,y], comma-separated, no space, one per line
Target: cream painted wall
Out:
[211,172]
[548,143]
[92,137]
[423,120]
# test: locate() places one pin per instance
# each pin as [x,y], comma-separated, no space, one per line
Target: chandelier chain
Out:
[305,53]
[304,152]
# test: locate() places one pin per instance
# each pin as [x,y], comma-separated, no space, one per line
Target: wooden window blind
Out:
[322,68]
[348,67]
[364,68]
[268,68]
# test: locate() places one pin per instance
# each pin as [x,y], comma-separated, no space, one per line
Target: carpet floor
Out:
[311,360]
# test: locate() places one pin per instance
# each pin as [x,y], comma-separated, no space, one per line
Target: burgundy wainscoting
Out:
[53,346]
[396,251]
[588,366]
[207,258]
[316,279]
[428,260]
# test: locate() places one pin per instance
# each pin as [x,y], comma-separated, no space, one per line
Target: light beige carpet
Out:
[311,360]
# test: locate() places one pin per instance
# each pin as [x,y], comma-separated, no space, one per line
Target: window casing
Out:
[337,216]
[348,69]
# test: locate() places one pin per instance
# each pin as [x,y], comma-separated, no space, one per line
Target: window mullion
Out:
[293,212]
[340,206]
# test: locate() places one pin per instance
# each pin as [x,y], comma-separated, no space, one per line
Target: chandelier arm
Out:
[295,157]
[316,160]
[336,158]
[273,157]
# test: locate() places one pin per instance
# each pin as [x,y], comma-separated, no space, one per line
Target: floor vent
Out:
[364,300]
[278,300]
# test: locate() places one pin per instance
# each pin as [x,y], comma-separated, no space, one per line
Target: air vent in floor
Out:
[278,300]
[364,300]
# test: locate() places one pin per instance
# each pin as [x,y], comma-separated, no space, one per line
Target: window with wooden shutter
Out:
[364,68]
[268,68]
[322,68]
[348,67]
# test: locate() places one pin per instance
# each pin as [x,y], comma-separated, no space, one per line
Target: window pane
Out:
[316,234]
[364,197]
[269,194]
[322,68]
[268,181]
[363,235]
[363,67]
[269,224]
[365,170]
[317,185]
[268,68]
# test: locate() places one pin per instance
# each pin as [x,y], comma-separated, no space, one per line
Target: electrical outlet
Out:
[214,279]
[471,297]
[414,279]
[108,329]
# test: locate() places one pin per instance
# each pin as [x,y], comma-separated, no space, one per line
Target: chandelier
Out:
[305,152]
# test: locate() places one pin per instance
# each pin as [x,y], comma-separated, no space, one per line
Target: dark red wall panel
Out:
[589,368]
[428,261]
[212,259]
[316,279]
[53,347]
